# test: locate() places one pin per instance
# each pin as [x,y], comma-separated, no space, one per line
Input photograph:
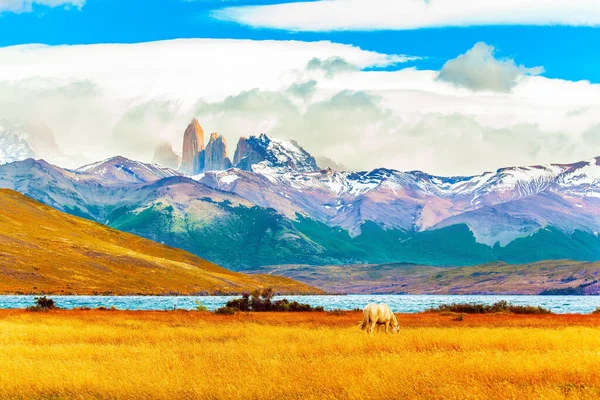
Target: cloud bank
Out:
[102,100]
[331,15]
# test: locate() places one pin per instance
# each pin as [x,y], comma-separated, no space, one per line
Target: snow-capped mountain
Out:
[416,201]
[20,141]
[261,154]
[13,143]
[121,169]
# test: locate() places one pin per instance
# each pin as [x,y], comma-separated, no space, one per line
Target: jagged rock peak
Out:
[215,154]
[193,144]
[214,136]
[240,150]
[273,153]
[165,156]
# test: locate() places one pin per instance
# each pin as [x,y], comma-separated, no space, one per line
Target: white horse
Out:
[379,314]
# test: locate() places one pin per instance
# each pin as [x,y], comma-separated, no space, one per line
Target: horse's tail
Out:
[365,322]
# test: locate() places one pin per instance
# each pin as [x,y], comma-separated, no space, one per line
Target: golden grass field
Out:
[188,355]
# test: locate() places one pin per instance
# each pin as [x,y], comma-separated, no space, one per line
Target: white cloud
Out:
[331,66]
[478,69]
[303,90]
[185,69]
[98,97]
[19,6]
[328,15]
[102,100]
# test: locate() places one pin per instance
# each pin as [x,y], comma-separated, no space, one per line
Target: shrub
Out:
[262,300]
[501,306]
[225,311]
[242,304]
[200,306]
[43,304]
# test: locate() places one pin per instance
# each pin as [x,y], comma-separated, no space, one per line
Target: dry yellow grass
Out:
[43,250]
[168,355]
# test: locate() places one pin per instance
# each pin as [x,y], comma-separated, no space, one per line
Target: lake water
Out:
[398,303]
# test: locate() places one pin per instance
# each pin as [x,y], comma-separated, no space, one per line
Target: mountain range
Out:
[272,204]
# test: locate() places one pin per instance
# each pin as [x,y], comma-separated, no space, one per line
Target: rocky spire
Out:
[165,156]
[193,145]
[240,150]
[215,154]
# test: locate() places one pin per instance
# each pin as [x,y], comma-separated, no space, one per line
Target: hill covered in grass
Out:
[43,250]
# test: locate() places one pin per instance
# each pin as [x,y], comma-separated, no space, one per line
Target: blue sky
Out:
[564,52]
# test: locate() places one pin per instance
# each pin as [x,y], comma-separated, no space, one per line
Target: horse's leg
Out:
[387,326]
[373,325]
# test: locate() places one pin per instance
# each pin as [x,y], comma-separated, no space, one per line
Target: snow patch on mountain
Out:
[229,179]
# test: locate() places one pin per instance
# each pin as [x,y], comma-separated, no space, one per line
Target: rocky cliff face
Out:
[241,150]
[215,154]
[165,156]
[193,145]
[250,151]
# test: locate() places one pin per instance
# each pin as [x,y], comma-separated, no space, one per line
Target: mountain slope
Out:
[45,250]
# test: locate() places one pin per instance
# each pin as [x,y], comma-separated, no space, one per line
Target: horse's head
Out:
[395,327]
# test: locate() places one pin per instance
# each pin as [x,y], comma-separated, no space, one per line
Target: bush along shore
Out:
[42,304]
[498,307]
[262,301]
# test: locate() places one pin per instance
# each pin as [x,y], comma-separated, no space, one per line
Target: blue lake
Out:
[398,303]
